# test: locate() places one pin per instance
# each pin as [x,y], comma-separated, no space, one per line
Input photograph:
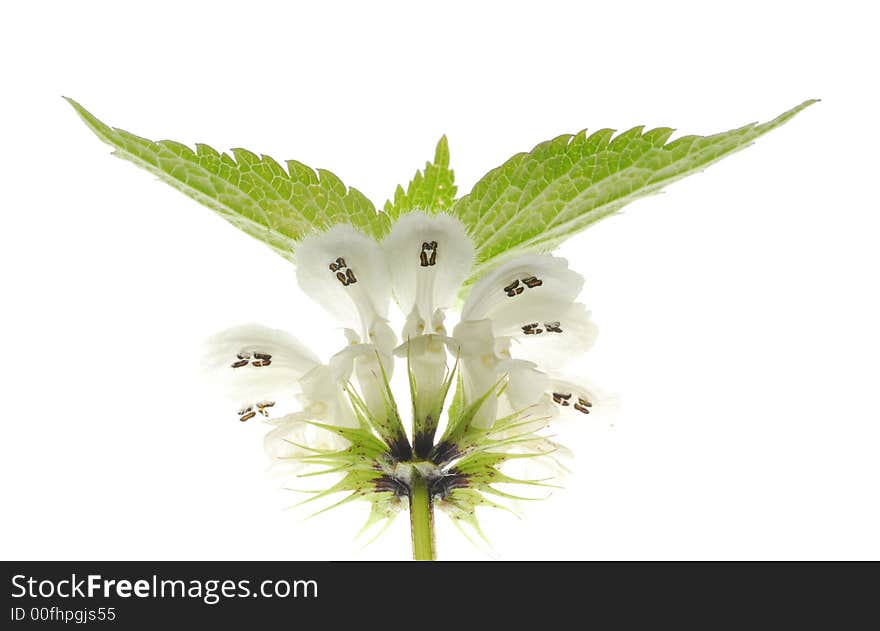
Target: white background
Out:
[738,312]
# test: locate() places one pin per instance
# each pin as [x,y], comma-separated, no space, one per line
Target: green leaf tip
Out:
[538,199]
[431,190]
[276,204]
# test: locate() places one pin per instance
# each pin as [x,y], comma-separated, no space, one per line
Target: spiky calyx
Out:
[454,473]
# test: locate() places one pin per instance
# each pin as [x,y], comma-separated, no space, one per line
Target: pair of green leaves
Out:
[531,203]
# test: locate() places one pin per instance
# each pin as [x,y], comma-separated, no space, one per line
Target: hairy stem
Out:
[421,515]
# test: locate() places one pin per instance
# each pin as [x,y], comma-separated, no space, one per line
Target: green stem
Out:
[421,516]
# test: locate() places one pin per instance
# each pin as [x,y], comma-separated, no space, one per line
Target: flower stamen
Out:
[583,406]
[563,399]
[428,248]
[532,281]
[263,407]
[344,274]
[513,289]
[259,359]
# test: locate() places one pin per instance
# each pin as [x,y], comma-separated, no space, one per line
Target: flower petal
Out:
[556,338]
[346,273]
[429,256]
[427,363]
[323,390]
[478,363]
[254,363]
[526,384]
[525,289]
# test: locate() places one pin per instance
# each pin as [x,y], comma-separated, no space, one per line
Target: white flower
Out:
[518,326]
[255,365]
[519,317]
[346,273]
[322,399]
[429,257]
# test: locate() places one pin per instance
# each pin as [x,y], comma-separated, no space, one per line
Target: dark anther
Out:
[262,356]
[245,410]
[243,355]
[240,363]
[561,398]
[248,416]
[263,408]
[341,278]
[513,289]
[552,327]
[582,409]
[261,362]
[349,275]
[584,402]
[532,329]
[532,281]
[424,259]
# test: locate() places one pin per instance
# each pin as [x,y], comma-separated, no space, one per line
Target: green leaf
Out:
[274,204]
[431,191]
[536,200]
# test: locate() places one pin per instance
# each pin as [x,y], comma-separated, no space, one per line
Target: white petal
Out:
[364,360]
[524,289]
[323,390]
[478,363]
[526,384]
[426,358]
[475,338]
[555,338]
[236,360]
[477,378]
[429,256]
[372,385]
[346,273]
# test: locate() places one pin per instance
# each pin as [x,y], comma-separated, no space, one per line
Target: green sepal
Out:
[389,425]
[426,421]
[459,425]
